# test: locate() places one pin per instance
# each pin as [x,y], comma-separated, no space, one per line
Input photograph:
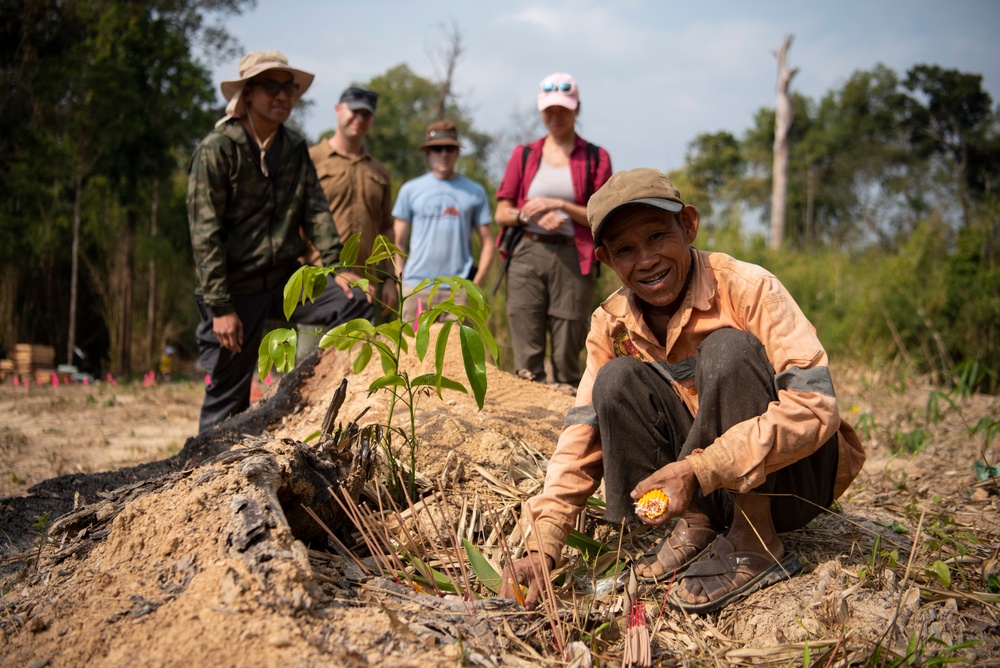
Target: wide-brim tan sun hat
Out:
[255,63]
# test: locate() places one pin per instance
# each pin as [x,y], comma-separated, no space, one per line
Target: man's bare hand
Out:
[679,483]
[529,572]
[390,297]
[228,330]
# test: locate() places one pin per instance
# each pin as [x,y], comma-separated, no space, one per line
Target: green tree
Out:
[101,99]
[950,116]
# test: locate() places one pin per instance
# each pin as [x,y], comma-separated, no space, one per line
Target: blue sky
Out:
[652,74]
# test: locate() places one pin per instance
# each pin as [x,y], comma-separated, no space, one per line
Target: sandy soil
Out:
[52,431]
[172,576]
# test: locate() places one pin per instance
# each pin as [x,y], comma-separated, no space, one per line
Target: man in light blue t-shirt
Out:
[435,215]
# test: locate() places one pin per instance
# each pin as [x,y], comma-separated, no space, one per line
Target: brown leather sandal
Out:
[677,551]
[734,574]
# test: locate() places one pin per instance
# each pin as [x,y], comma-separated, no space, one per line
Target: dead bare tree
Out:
[783,116]
[445,60]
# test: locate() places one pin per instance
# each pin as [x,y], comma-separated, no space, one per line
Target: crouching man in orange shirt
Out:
[704,380]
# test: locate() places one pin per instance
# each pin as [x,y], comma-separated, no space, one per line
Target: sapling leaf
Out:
[386,381]
[439,382]
[317,284]
[292,292]
[473,318]
[349,253]
[474,356]
[476,296]
[363,358]
[441,345]
[362,284]
[423,335]
[277,348]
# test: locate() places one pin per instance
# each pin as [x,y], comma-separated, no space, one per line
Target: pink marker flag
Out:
[420,309]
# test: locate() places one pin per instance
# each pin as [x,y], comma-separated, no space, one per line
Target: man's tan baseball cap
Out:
[642,185]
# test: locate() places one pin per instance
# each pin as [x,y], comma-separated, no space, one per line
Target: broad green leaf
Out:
[292,292]
[349,254]
[361,284]
[441,581]
[386,381]
[363,358]
[388,360]
[377,257]
[360,326]
[423,335]
[264,360]
[587,545]
[441,346]
[482,567]
[476,296]
[383,249]
[983,471]
[280,347]
[394,330]
[474,356]
[284,356]
[941,572]
[471,317]
[441,382]
[317,284]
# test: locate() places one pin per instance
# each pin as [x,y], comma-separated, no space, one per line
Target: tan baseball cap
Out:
[642,185]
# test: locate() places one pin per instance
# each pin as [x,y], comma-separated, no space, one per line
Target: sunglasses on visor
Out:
[557,87]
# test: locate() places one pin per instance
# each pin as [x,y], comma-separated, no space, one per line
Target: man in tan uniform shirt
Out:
[356,184]
[704,380]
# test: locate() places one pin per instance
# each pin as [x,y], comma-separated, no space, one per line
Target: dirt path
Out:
[53,431]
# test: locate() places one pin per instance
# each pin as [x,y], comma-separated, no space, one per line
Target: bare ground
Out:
[172,573]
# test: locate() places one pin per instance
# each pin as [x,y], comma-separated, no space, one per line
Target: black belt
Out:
[556,239]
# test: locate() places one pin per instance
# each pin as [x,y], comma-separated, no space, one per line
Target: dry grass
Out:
[871,592]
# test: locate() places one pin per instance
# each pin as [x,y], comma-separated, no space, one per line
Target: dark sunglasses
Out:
[272,87]
[554,87]
[438,149]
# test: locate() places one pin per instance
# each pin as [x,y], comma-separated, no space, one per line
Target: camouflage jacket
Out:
[244,225]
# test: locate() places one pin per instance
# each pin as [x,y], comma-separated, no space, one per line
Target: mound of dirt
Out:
[205,562]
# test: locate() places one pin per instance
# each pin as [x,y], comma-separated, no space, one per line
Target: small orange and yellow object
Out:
[519,591]
[652,504]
